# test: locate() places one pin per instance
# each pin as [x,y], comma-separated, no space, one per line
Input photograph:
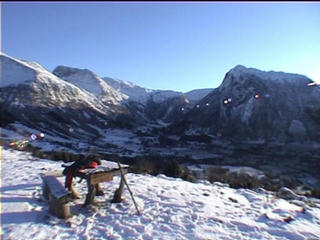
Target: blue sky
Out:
[165,45]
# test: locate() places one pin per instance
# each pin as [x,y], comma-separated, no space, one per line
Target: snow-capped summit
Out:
[122,84]
[16,71]
[133,91]
[87,80]
[39,99]
[143,95]
[45,89]
[280,77]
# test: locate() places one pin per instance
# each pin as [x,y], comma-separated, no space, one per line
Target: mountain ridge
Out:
[255,104]
[249,103]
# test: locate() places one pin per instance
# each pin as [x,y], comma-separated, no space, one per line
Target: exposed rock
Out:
[288,194]
[297,130]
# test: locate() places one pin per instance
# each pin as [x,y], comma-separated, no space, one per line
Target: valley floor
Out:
[171,209]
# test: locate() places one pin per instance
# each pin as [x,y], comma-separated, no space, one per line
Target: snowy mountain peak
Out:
[239,67]
[20,74]
[82,78]
[255,104]
[281,77]
[68,71]
[16,72]
[30,84]
[128,83]
[141,94]
[87,80]
[133,91]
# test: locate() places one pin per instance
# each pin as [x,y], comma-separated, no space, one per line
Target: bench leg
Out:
[117,194]
[59,208]
[91,194]
[74,193]
[45,190]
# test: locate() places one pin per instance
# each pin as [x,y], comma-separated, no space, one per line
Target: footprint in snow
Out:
[233,200]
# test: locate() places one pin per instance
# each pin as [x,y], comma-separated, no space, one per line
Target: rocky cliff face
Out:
[252,104]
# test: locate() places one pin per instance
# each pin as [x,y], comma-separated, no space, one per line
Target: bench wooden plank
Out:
[57,195]
[114,171]
[56,187]
[100,177]
[56,173]
[94,177]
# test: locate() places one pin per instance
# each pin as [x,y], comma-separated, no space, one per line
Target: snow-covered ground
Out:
[171,209]
[20,132]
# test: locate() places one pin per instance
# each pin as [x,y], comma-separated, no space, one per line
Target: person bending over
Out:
[90,161]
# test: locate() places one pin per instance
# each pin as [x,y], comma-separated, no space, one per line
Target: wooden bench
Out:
[57,195]
[98,175]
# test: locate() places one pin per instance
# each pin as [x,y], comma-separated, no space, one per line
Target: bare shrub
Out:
[217,174]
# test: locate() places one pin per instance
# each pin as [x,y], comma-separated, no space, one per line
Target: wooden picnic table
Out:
[102,174]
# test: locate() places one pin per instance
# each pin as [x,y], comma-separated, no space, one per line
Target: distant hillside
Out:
[253,104]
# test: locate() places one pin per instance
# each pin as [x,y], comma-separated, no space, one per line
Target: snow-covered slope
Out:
[87,80]
[133,91]
[45,89]
[163,105]
[141,94]
[39,99]
[171,209]
[169,110]
[15,71]
[198,94]
[142,103]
